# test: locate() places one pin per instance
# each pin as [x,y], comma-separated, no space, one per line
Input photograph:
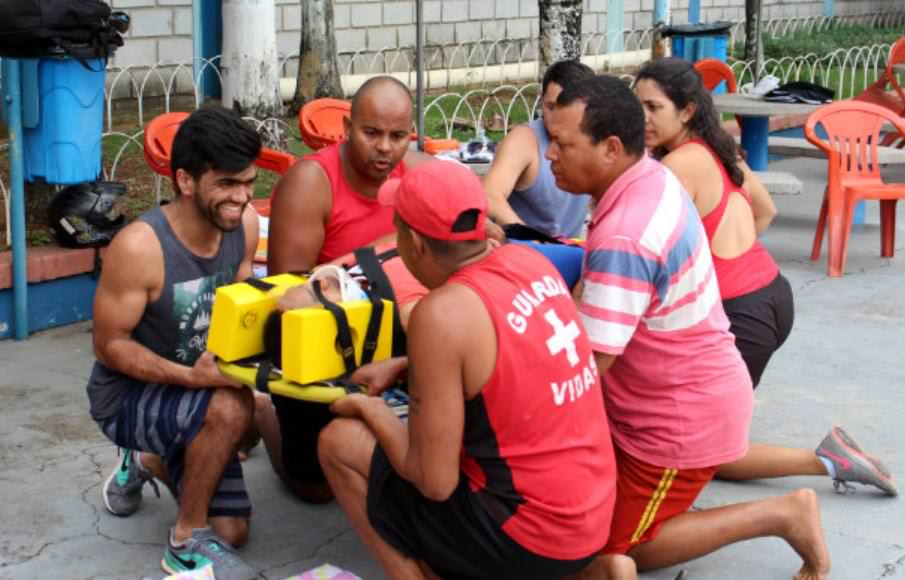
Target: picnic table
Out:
[755,115]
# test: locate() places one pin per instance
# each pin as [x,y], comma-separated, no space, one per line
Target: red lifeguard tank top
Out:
[536,447]
[355,220]
[754,268]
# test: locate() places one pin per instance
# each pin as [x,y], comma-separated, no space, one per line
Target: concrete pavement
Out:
[843,364]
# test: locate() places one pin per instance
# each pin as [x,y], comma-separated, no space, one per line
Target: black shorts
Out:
[300,424]
[761,321]
[456,537]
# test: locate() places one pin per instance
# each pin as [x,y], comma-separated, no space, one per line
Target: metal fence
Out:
[486,64]
[168,86]
[846,71]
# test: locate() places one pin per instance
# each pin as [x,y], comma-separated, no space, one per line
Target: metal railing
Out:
[485,64]
[846,71]
[167,86]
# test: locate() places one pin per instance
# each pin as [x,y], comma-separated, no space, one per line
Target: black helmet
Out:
[83,215]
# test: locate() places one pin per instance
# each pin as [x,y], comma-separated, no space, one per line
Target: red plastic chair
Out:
[321,122]
[158,141]
[853,135]
[277,161]
[158,144]
[714,71]
[896,56]
[877,92]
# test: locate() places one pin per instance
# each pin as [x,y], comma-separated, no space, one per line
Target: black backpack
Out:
[800,92]
[78,28]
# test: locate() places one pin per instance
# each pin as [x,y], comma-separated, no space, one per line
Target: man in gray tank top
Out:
[155,391]
[519,184]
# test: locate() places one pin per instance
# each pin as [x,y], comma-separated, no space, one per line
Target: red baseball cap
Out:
[431,198]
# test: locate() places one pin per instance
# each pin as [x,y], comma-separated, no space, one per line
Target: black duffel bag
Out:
[78,28]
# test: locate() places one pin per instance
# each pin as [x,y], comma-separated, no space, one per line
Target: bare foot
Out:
[804,533]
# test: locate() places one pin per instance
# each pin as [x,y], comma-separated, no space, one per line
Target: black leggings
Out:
[761,322]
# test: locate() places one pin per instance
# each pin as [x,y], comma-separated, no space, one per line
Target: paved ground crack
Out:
[890,569]
[99,470]
[27,559]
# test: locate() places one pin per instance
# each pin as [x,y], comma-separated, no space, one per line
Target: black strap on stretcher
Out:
[370,263]
[344,333]
[265,365]
[344,336]
[259,284]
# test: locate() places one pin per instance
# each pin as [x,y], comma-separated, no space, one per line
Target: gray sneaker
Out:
[205,548]
[852,464]
[122,490]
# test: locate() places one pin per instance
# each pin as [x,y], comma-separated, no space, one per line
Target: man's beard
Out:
[211,214]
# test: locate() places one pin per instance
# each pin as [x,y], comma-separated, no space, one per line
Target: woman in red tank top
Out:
[684,131]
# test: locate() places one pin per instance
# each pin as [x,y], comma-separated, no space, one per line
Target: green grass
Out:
[801,43]
[463,114]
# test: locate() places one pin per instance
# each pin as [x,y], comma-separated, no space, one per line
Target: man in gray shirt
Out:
[155,391]
[519,184]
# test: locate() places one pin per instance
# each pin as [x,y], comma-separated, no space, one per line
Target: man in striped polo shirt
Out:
[678,396]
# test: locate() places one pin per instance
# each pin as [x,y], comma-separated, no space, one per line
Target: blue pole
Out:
[694,11]
[198,45]
[17,195]
[755,134]
[828,8]
[615,25]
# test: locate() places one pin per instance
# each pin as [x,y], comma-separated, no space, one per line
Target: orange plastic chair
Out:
[896,56]
[435,146]
[277,161]
[321,122]
[714,71]
[158,141]
[158,144]
[853,173]
[877,92]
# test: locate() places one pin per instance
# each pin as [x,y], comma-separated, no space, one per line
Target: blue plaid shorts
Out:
[163,419]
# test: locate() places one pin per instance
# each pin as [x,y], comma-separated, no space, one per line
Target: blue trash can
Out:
[695,42]
[62,118]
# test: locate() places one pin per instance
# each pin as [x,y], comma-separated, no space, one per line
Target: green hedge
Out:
[802,42]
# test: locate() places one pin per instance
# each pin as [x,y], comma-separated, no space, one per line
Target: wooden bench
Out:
[780,182]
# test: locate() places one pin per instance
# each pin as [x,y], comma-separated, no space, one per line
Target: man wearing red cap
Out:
[505,468]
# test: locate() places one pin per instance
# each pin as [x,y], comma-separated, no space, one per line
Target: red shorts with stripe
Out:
[647,496]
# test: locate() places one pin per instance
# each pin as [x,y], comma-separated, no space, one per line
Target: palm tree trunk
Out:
[560,30]
[754,50]
[318,74]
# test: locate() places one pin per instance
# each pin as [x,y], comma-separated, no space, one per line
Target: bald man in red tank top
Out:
[326,206]
[322,209]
